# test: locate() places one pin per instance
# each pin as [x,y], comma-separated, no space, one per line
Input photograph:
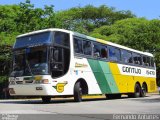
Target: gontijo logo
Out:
[136,71]
[60,87]
[80,65]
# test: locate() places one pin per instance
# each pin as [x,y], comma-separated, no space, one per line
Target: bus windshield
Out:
[31,61]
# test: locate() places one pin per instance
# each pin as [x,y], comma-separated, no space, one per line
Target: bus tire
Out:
[77,92]
[46,99]
[137,91]
[143,90]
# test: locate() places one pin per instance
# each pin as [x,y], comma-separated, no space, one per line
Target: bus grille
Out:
[28,81]
[152,85]
[19,82]
[25,81]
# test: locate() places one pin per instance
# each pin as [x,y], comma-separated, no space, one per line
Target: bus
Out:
[60,63]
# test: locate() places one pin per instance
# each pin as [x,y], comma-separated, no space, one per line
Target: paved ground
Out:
[147,105]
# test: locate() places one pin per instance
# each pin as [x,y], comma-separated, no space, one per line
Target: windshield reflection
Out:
[30,62]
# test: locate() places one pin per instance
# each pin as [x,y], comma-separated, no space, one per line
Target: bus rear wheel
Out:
[144,90]
[137,91]
[46,99]
[77,92]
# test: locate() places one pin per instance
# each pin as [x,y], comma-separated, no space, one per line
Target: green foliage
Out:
[137,33]
[30,18]
[3,78]
[86,19]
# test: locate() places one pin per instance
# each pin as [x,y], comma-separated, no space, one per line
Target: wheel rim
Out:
[144,90]
[137,90]
[80,92]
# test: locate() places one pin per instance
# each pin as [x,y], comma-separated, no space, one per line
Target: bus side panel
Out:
[151,83]
[103,76]
[83,70]
[122,81]
[126,83]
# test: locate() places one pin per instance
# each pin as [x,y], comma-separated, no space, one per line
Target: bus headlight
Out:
[43,81]
[11,81]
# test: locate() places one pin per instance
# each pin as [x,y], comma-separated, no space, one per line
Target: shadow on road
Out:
[59,101]
[147,99]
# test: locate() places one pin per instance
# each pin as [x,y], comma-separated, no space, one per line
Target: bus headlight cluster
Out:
[11,81]
[40,80]
[43,81]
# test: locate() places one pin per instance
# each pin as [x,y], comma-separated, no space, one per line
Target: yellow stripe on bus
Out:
[126,83]
[101,41]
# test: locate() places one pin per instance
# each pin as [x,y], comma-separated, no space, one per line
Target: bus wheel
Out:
[143,90]
[137,92]
[77,92]
[46,99]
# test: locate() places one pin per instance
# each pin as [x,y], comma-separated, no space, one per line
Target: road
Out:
[146,105]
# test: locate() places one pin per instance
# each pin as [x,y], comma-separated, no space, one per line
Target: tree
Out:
[137,33]
[86,19]
[31,19]
[15,20]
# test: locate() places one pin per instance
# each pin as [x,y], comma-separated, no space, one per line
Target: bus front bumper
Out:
[31,90]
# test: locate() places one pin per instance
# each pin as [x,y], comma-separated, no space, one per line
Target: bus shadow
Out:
[59,101]
[147,99]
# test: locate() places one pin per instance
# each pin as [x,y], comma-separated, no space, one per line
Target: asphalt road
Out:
[67,107]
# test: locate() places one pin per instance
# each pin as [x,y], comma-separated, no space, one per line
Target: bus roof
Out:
[87,37]
[41,31]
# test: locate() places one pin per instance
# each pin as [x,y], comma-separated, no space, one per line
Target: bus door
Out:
[59,61]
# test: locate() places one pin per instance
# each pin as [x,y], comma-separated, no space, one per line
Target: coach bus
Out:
[60,63]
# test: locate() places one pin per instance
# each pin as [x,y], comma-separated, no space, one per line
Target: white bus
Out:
[55,62]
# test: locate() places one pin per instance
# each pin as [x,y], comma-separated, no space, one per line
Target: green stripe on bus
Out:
[103,76]
[109,76]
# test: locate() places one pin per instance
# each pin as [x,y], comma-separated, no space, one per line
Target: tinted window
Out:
[87,48]
[78,46]
[137,59]
[146,61]
[126,56]
[114,54]
[61,38]
[152,62]
[104,52]
[33,40]
[97,50]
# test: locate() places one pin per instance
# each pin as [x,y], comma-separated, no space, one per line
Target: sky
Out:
[149,9]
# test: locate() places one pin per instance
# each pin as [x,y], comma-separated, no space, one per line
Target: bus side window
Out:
[152,62]
[114,54]
[126,56]
[78,46]
[87,47]
[137,59]
[96,50]
[61,38]
[146,61]
[104,52]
